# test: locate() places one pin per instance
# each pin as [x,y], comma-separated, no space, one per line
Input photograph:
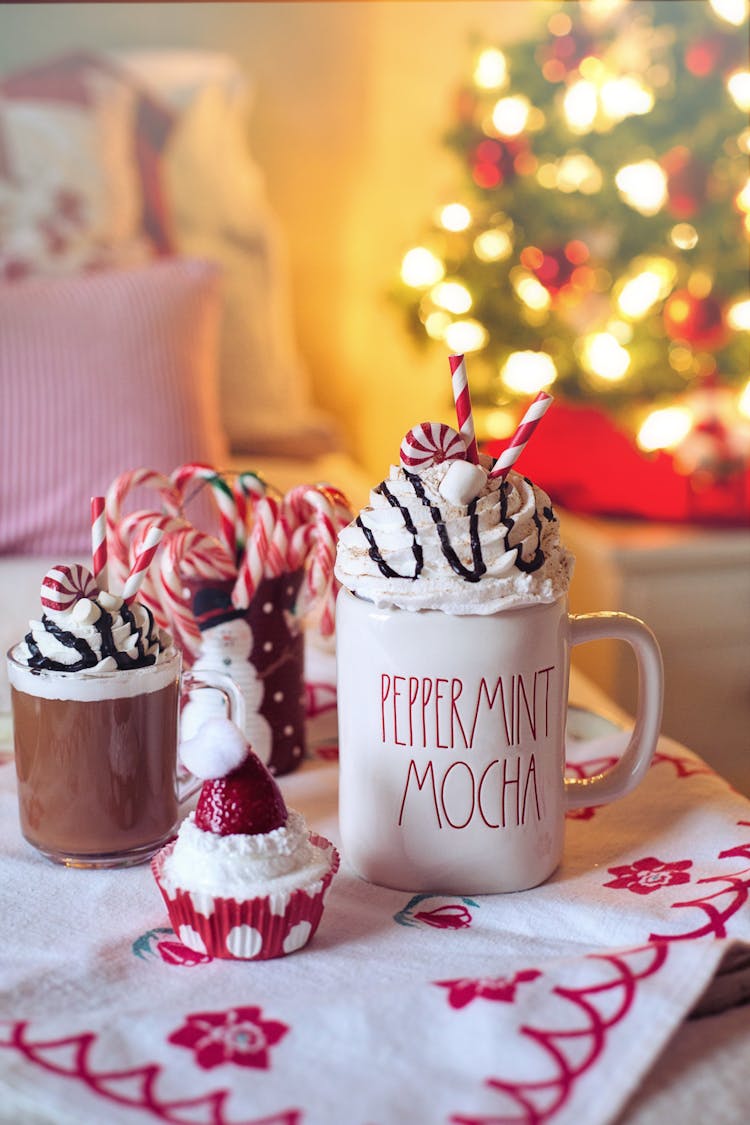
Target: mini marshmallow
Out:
[462,483]
[85,612]
[108,601]
[215,750]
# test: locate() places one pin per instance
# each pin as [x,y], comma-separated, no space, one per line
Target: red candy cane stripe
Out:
[141,565]
[119,553]
[248,488]
[462,399]
[189,553]
[253,565]
[99,541]
[221,493]
[431,443]
[64,585]
[520,439]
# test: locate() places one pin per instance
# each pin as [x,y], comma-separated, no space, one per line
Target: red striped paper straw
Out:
[142,563]
[462,399]
[520,439]
[99,541]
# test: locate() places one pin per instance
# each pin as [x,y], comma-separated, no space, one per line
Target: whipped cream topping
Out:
[101,634]
[243,866]
[415,549]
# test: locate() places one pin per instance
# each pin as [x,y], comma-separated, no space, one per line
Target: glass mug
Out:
[96,758]
[452,741]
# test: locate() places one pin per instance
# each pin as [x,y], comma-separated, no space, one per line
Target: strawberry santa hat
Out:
[239,796]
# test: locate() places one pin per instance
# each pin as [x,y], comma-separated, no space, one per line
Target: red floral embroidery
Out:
[648,875]
[238,1036]
[452,916]
[462,992]
[175,953]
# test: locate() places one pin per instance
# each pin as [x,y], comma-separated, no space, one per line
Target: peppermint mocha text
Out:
[446,713]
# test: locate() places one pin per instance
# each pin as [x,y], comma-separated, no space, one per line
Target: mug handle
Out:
[187,785]
[581,792]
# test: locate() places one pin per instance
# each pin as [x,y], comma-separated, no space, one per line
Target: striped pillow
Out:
[99,374]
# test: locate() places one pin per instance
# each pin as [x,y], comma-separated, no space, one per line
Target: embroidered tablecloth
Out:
[550,1005]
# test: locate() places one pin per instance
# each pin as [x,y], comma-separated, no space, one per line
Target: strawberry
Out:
[247,801]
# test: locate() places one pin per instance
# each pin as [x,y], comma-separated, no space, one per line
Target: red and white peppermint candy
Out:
[431,443]
[65,584]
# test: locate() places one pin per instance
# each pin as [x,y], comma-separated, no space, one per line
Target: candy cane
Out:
[253,565]
[99,541]
[247,487]
[462,399]
[142,563]
[116,493]
[221,493]
[278,554]
[520,439]
[195,554]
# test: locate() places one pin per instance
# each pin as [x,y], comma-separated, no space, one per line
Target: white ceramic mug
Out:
[452,741]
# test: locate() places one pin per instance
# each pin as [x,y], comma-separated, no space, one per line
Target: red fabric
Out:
[64,79]
[587,463]
[99,373]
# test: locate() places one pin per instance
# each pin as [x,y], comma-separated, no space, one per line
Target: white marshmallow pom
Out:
[218,747]
[85,612]
[462,483]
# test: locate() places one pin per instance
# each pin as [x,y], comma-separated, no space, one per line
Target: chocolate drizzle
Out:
[479,568]
[416,547]
[88,657]
[528,566]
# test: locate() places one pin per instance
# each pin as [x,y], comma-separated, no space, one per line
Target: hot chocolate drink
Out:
[96,775]
[95,694]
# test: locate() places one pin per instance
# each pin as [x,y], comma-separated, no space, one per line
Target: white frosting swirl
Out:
[95,635]
[414,549]
[243,866]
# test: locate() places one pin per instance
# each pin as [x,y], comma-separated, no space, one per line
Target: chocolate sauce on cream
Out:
[374,552]
[445,544]
[88,656]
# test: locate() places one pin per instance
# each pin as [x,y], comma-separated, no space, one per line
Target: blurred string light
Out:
[643,186]
[453,296]
[743,403]
[466,336]
[603,356]
[491,70]
[493,245]
[738,315]
[738,85]
[665,428]
[421,268]
[455,217]
[528,372]
[684,236]
[652,281]
[733,11]
[510,115]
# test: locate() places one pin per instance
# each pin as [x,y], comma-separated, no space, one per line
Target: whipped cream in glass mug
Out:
[95,694]
[453,649]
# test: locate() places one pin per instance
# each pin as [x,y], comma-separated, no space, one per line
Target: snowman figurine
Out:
[226,646]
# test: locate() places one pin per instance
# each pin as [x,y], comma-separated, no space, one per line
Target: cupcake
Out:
[244,879]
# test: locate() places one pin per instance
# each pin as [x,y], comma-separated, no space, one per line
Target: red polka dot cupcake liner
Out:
[253,929]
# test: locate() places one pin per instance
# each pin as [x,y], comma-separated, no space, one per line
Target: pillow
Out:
[88,85]
[220,211]
[99,374]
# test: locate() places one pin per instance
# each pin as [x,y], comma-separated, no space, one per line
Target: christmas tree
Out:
[597,243]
